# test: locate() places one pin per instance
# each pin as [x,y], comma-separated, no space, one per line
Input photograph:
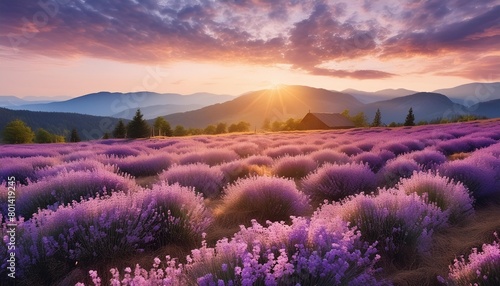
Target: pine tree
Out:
[410,118]
[17,132]
[377,120]
[138,127]
[74,137]
[120,130]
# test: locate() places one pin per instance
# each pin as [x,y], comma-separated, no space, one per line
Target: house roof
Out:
[334,119]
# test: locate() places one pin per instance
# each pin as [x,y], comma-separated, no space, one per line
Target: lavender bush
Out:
[142,165]
[480,267]
[302,253]
[401,224]
[451,197]
[396,169]
[261,198]
[103,227]
[205,179]
[478,178]
[295,167]
[329,156]
[334,182]
[69,186]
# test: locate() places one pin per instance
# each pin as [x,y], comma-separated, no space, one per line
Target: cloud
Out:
[302,34]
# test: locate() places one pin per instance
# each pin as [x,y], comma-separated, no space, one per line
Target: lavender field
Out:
[368,206]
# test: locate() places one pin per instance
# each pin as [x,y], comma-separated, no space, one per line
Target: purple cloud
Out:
[304,34]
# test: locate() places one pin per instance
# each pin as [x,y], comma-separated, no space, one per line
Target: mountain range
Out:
[123,105]
[280,103]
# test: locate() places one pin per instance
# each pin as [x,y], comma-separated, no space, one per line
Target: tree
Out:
[43,136]
[210,129]
[162,127]
[180,131]
[377,120]
[120,130]
[359,120]
[221,128]
[266,125]
[410,118]
[17,132]
[74,137]
[138,127]
[242,126]
[105,136]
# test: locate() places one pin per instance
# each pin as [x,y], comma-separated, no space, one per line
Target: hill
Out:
[426,106]
[385,94]
[472,93]
[109,104]
[274,104]
[489,109]
[88,127]
[151,112]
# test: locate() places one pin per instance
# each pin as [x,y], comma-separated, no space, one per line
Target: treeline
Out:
[18,132]
[139,128]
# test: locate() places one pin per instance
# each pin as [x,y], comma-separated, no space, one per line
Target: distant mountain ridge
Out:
[119,104]
[273,104]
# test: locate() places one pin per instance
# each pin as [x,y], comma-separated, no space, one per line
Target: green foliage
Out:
[162,127]
[44,136]
[138,127]
[377,120]
[180,131]
[221,128]
[242,126]
[410,118]
[17,132]
[266,125]
[105,136]
[359,120]
[74,137]
[210,129]
[120,130]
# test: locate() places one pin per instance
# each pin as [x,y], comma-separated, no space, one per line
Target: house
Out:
[325,121]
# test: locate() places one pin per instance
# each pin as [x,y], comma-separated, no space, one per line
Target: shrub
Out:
[260,160]
[121,151]
[479,179]
[245,149]
[281,151]
[396,169]
[262,199]
[395,147]
[334,182]
[78,165]
[329,156]
[480,268]
[373,160]
[401,224]
[239,169]
[295,167]
[103,227]
[428,159]
[218,156]
[450,196]
[68,186]
[22,170]
[350,150]
[142,165]
[205,179]
[278,254]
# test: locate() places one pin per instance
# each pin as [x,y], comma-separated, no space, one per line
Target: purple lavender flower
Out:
[335,182]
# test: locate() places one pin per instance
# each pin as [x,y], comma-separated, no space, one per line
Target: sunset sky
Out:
[74,47]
